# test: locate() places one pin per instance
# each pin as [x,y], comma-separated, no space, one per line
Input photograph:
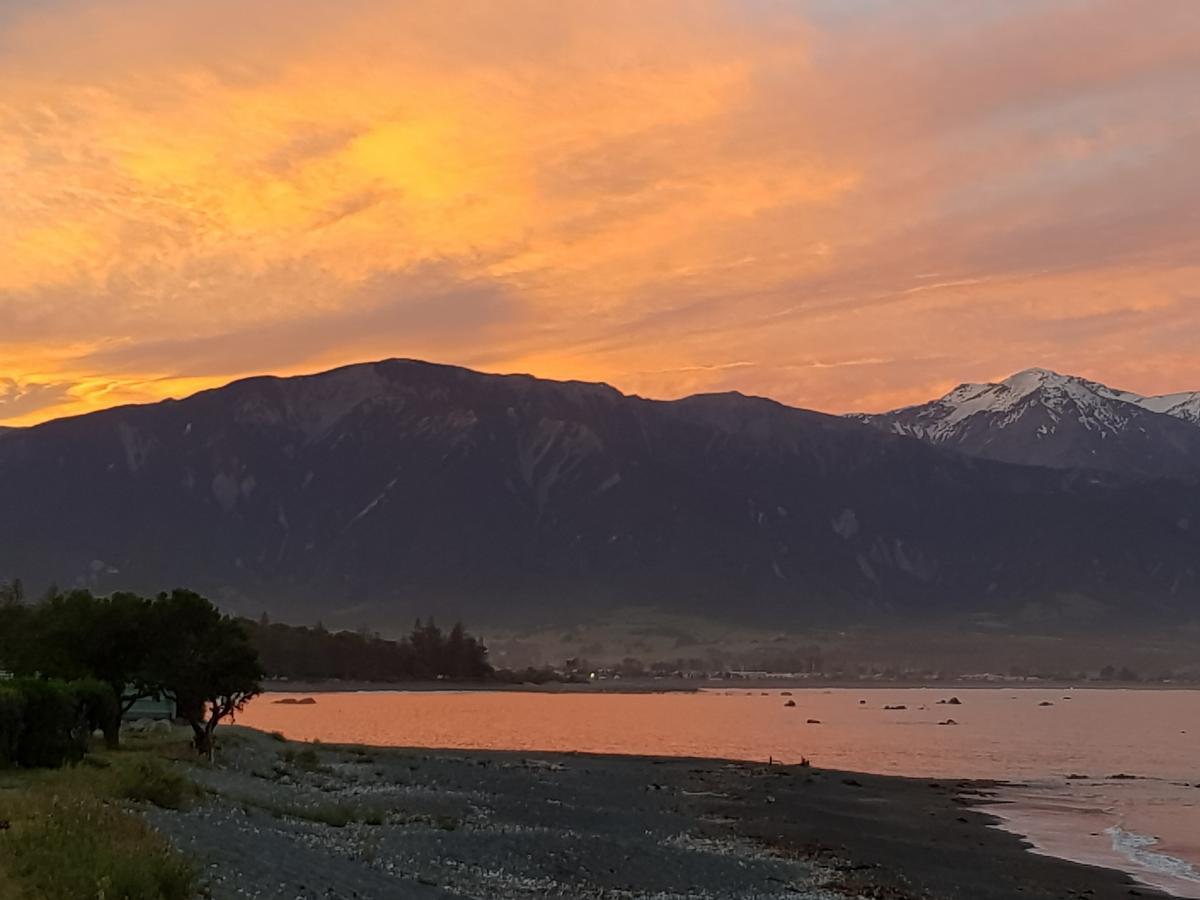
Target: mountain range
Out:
[1038,417]
[381,491]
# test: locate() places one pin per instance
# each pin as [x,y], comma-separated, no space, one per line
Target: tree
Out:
[12,593]
[204,662]
[14,631]
[78,636]
[465,656]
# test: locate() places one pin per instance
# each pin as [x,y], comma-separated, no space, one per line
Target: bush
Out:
[307,759]
[150,781]
[55,731]
[12,724]
[45,724]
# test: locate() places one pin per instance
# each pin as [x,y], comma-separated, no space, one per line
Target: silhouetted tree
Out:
[79,636]
[12,593]
[204,662]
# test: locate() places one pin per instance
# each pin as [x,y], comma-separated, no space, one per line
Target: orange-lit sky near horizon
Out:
[842,204]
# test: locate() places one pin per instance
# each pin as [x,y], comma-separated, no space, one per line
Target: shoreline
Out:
[519,824]
[1086,829]
[692,685]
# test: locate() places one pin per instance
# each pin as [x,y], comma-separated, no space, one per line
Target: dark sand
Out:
[540,825]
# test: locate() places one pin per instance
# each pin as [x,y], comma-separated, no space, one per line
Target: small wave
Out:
[1137,848]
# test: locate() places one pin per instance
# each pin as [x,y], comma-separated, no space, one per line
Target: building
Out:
[152,708]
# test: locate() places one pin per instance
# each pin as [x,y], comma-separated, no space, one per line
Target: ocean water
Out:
[1059,749]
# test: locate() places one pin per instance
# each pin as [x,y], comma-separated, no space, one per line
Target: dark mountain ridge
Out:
[377,492]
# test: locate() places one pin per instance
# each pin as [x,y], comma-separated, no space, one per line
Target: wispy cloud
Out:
[19,399]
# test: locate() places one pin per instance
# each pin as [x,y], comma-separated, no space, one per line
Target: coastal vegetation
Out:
[47,723]
[73,832]
[84,661]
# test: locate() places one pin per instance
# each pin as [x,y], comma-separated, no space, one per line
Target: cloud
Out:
[21,399]
[649,194]
[390,312]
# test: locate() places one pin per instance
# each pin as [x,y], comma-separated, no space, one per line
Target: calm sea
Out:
[1148,824]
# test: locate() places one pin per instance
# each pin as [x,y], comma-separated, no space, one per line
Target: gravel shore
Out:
[288,820]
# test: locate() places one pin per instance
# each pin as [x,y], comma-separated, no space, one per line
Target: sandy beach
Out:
[284,820]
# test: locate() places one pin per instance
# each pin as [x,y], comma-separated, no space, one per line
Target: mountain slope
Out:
[1185,406]
[1038,417]
[377,492]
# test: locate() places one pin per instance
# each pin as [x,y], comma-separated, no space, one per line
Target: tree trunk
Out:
[112,731]
[201,739]
[212,745]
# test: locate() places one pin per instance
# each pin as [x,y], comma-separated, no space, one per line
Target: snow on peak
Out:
[1024,383]
[1096,407]
[1051,400]
[1011,394]
[1184,406]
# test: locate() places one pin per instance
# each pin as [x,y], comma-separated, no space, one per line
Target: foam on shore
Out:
[1086,826]
[1138,849]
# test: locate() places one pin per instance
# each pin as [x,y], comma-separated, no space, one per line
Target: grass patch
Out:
[149,780]
[69,837]
[336,815]
[306,758]
[374,817]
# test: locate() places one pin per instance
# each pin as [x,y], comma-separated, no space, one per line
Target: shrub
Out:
[54,731]
[336,815]
[150,781]
[306,758]
[12,724]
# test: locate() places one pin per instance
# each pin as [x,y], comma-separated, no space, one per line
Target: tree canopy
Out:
[203,661]
[176,645]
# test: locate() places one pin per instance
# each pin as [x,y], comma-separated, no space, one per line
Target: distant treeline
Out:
[427,653]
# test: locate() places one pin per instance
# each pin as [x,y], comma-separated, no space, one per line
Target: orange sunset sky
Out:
[842,204]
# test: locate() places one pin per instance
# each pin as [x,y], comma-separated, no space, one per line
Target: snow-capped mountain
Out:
[1039,417]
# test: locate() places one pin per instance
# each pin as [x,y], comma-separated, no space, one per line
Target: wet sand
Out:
[490,824]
